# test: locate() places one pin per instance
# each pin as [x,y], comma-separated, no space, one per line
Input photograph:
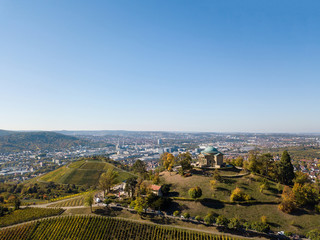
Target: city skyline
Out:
[170,66]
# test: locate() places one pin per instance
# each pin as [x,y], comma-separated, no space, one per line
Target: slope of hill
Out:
[217,200]
[5,132]
[82,172]
[91,227]
[20,141]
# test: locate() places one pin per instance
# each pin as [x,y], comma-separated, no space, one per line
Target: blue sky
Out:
[222,66]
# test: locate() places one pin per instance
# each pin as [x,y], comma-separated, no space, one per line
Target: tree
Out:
[131,183]
[213,184]
[209,218]
[302,178]
[314,234]
[165,189]
[186,215]
[239,161]
[287,204]
[238,195]
[185,161]
[176,213]
[234,223]
[222,220]
[167,160]
[285,169]
[139,167]
[195,192]
[89,200]
[306,194]
[17,203]
[140,205]
[217,176]
[107,180]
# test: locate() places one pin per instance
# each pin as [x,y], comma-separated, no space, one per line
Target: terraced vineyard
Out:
[79,201]
[82,173]
[92,227]
[28,214]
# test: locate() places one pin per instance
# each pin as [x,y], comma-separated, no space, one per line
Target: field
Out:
[82,173]
[91,227]
[218,201]
[28,214]
[79,201]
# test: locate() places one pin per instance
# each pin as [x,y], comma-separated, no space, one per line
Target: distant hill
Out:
[5,132]
[83,172]
[20,141]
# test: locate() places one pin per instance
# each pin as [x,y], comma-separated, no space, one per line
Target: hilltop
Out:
[83,172]
[21,141]
[218,202]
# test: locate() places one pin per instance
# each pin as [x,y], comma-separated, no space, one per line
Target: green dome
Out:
[210,150]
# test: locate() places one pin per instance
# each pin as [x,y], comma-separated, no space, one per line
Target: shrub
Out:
[186,215]
[198,218]
[234,223]
[209,219]
[176,213]
[260,227]
[195,192]
[264,219]
[222,221]
[314,234]
[239,195]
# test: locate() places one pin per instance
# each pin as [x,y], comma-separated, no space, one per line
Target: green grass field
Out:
[82,173]
[91,227]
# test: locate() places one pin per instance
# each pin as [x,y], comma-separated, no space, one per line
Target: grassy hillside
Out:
[20,141]
[90,227]
[218,201]
[82,172]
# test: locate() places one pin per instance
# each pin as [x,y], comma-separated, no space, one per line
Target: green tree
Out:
[234,223]
[108,180]
[185,162]
[140,205]
[222,221]
[285,169]
[314,234]
[130,186]
[139,167]
[89,200]
[209,218]
[17,203]
[195,192]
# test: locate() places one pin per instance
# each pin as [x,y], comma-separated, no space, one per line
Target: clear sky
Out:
[223,66]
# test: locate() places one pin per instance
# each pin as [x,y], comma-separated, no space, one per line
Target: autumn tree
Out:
[287,204]
[306,194]
[167,160]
